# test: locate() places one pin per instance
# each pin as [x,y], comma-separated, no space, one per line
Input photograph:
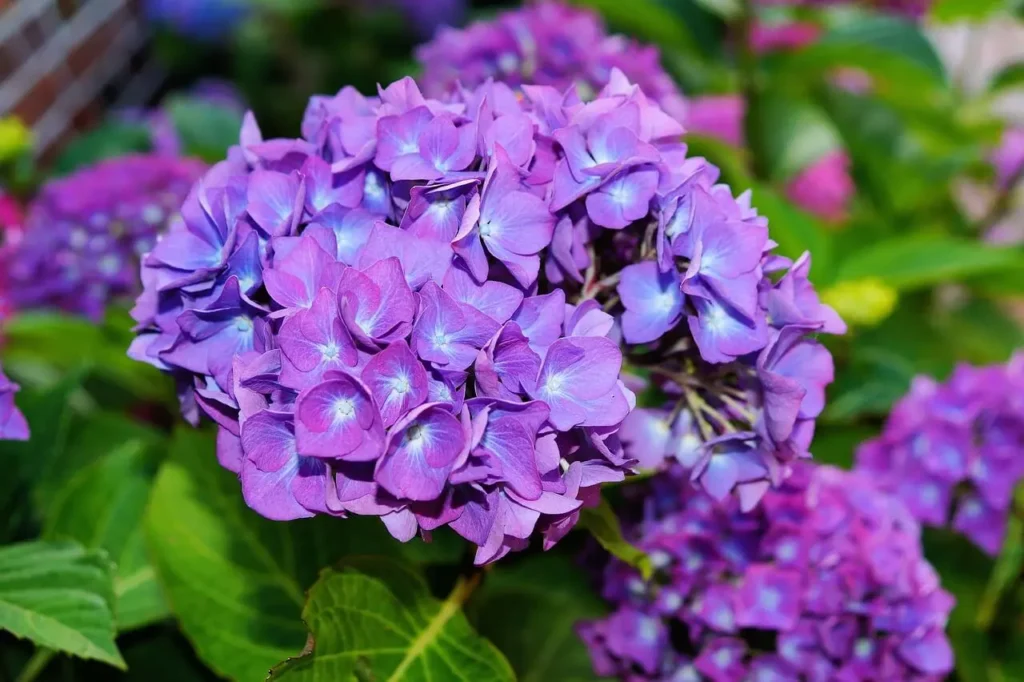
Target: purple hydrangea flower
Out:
[547,43]
[951,451]
[12,422]
[85,233]
[382,287]
[828,575]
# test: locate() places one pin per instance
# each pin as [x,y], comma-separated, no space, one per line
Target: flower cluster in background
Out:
[824,581]
[84,234]
[952,451]
[205,20]
[548,43]
[12,423]
[824,187]
[413,310]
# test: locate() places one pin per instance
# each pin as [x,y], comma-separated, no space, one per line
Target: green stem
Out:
[40,659]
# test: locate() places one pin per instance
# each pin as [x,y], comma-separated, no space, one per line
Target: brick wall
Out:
[63,62]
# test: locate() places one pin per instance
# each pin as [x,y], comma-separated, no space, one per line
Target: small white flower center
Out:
[243,324]
[330,351]
[401,384]
[344,409]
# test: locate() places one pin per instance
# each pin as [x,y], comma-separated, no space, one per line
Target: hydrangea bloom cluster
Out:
[414,310]
[824,187]
[825,581]
[12,220]
[206,20]
[547,43]
[952,451]
[84,233]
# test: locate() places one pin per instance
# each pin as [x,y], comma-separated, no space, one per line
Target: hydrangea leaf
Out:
[206,129]
[376,619]
[236,581]
[529,610]
[59,595]
[602,523]
[65,343]
[101,506]
[921,261]
[1005,573]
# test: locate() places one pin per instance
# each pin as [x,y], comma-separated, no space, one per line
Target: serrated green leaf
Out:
[603,524]
[374,619]
[60,596]
[101,506]
[924,260]
[529,609]
[236,581]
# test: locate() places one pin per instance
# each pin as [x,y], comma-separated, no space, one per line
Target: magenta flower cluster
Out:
[952,451]
[85,233]
[414,311]
[825,581]
[547,43]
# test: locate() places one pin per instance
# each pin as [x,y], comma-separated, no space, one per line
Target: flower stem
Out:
[749,87]
[40,659]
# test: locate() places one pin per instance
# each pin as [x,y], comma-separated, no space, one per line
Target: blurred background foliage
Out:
[918,272]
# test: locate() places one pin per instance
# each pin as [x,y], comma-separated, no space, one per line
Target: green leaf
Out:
[60,596]
[894,51]
[236,581]
[875,379]
[644,20]
[206,129]
[1010,76]
[727,9]
[108,140]
[836,444]
[529,609]
[794,134]
[949,11]
[923,260]
[70,343]
[101,506]
[603,524]
[1005,574]
[375,619]
[981,331]
[796,231]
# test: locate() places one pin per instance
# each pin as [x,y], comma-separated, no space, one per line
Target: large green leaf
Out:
[60,596]
[375,619]
[101,506]
[603,524]
[529,609]
[236,581]
[923,260]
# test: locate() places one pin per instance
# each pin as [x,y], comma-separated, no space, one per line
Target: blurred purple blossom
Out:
[825,581]
[952,451]
[85,233]
[547,43]
[12,423]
